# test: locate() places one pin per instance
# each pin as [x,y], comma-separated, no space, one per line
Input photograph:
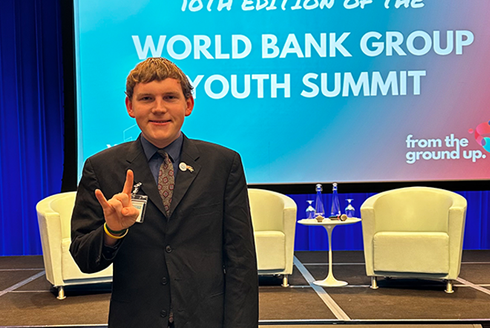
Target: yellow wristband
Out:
[106,229]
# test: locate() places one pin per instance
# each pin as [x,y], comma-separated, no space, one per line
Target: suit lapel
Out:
[189,156]
[139,164]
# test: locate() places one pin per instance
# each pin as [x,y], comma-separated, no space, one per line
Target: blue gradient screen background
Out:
[436,130]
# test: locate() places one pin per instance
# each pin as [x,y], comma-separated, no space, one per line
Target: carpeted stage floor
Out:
[28,300]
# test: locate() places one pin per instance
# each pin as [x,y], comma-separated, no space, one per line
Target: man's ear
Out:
[129,107]
[190,105]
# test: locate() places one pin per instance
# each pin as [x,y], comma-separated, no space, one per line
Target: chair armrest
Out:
[456,225]
[368,230]
[289,227]
[50,233]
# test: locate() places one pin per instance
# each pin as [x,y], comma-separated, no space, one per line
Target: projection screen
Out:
[306,90]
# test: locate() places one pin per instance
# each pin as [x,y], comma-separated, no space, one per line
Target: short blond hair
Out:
[157,69]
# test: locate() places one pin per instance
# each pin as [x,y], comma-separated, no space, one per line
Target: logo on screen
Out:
[482,135]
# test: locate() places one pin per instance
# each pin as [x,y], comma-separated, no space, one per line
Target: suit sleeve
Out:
[87,232]
[241,281]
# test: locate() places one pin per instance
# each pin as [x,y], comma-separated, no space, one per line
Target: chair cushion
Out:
[420,252]
[270,247]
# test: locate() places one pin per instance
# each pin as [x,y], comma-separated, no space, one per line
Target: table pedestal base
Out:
[328,224]
[330,281]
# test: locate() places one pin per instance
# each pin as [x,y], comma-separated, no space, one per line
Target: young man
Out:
[189,260]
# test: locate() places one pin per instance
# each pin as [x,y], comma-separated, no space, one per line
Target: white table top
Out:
[327,221]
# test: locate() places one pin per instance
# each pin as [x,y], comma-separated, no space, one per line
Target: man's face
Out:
[159,108]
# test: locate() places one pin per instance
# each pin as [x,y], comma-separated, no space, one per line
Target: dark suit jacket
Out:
[201,259]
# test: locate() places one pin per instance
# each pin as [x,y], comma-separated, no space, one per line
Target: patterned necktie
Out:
[166,180]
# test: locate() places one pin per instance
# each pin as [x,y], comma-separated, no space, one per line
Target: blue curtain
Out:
[31,138]
[31,118]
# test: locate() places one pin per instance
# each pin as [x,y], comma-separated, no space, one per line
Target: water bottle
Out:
[335,210]
[319,209]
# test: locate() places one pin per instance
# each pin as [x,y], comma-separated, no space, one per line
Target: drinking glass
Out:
[349,210]
[310,210]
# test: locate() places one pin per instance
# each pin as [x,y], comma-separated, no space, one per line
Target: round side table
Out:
[328,224]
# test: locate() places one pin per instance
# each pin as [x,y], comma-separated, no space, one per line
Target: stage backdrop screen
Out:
[305,90]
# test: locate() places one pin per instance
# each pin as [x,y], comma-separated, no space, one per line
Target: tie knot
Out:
[164,154]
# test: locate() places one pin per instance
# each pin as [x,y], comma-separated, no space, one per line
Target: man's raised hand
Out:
[119,213]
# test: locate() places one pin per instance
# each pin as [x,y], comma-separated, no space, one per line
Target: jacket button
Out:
[163,313]
[168,249]
[164,281]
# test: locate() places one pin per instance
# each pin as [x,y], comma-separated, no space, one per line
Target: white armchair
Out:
[54,217]
[274,223]
[414,232]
